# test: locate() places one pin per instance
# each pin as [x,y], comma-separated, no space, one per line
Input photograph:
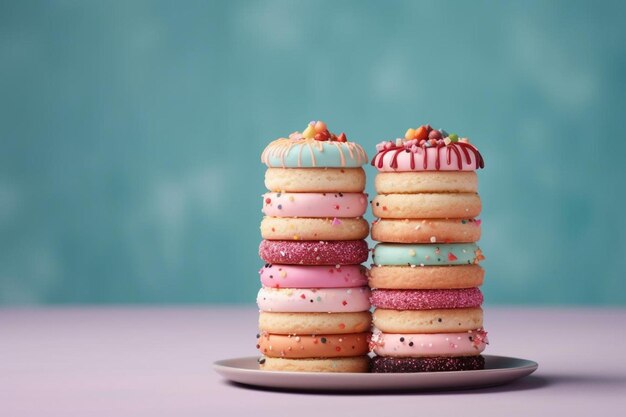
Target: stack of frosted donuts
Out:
[314,301]
[425,275]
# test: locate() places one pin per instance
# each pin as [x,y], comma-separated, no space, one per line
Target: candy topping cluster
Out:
[422,137]
[317,130]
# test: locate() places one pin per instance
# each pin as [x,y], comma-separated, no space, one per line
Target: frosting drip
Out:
[301,152]
[459,156]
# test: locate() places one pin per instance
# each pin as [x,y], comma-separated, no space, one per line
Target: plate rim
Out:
[530,365]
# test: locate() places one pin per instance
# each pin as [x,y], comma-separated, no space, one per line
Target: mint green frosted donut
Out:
[309,153]
[426,254]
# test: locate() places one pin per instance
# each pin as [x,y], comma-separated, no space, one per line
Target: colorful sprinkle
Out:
[434,134]
[421,133]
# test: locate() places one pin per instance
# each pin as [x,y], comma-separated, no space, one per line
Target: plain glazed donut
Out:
[428,321]
[426,277]
[427,206]
[349,364]
[315,180]
[315,323]
[287,228]
[424,231]
[426,182]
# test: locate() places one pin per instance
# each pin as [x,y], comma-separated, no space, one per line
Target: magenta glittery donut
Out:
[426,299]
[386,364]
[309,252]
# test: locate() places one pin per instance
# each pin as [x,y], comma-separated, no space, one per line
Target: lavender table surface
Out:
[157,362]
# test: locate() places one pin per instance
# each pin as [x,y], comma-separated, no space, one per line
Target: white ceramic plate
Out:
[498,370]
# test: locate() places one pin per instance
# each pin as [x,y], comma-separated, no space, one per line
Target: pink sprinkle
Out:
[478,222]
[480,337]
[336,222]
[410,143]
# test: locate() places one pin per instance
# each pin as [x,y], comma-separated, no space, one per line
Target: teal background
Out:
[131,133]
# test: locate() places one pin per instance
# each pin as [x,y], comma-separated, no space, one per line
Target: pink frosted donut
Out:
[457,156]
[306,300]
[468,343]
[296,276]
[427,299]
[314,204]
[313,252]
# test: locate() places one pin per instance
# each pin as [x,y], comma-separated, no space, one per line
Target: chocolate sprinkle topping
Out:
[386,364]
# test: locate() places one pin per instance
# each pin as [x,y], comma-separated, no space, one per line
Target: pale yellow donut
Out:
[426,182]
[423,231]
[428,321]
[349,364]
[426,277]
[315,180]
[315,323]
[426,206]
[287,228]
